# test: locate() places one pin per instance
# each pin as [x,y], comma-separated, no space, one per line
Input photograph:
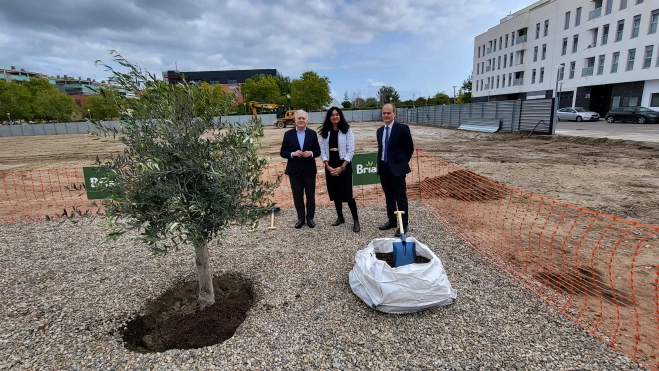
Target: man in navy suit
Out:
[300,146]
[395,149]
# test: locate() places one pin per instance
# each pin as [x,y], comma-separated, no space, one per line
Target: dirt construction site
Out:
[615,177]
[573,219]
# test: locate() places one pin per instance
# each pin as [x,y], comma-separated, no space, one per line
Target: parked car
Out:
[577,114]
[642,115]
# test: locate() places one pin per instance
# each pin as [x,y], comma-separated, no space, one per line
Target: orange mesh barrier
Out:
[599,270]
[41,194]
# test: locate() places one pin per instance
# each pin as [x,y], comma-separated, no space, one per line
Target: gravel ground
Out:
[64,290]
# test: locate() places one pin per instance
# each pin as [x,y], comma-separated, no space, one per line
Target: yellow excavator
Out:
[284,115]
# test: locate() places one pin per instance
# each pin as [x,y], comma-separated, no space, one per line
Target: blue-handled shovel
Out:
[404,252]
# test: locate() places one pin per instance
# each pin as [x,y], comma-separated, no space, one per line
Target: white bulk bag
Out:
[405,289]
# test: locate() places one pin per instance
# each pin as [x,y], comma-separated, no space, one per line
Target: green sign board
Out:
[364,169]
[94,175]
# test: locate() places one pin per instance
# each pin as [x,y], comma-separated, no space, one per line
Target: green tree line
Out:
[34,100]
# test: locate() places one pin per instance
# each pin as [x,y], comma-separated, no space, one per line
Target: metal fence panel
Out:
[538,114]
[38,129]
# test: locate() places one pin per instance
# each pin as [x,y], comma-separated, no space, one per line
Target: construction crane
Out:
[284,115]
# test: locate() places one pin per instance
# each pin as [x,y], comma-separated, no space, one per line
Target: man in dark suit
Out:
[395,149]
[300,146]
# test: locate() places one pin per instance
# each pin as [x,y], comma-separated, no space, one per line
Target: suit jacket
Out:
[297,166]
[401,148]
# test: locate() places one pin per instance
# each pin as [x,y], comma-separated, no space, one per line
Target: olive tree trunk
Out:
[206,293]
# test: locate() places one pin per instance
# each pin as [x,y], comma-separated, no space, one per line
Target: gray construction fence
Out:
[535,115]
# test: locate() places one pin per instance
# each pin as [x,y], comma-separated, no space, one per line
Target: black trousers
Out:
[302,185]
[395,193]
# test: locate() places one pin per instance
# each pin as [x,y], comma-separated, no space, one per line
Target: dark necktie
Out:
[386,143]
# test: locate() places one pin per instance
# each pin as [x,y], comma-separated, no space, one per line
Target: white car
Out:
[577,114]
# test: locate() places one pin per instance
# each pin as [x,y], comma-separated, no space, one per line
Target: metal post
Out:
[454,86]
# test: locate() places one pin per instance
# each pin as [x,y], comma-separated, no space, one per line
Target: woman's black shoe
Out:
[355,227]
[338,221]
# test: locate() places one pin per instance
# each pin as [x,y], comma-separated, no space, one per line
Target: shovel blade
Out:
[404,253]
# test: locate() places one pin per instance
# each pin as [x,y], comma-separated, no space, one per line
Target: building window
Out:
[577,17]
[505,59]
[639,2]
[573,66]
[537,31]
[654,19]
[499,63]
[636,26]
[232,80]
[605,34]
[506,40]
[621,27]
[495,45]
[503,80]
[500,42]
[478,68]
[546,28]
[479,52]
[533,76]
[511,59]
[614,64]
[214,80]
[600,66]
[648,56]
[609,6]
[510,79]
[542,74]
[631,56]
[521,56]
[575,43]
[512,39]
[544,51]
[567,20]
[623,4]
[498,82]
[564,46]
[654,100]
[535,54]
[561,72]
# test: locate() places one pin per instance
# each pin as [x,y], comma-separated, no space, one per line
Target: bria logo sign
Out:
[368,168]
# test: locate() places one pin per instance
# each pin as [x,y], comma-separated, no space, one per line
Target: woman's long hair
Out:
[327,125]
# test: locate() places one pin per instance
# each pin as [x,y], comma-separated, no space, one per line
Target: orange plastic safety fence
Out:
[41,194]
[599,270]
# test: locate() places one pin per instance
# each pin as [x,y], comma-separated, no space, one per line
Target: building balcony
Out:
[518,82]
[489,50]
[595,13]
[488,68]
[520,39]
[587,71]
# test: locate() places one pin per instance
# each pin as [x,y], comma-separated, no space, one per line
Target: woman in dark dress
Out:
[336,150]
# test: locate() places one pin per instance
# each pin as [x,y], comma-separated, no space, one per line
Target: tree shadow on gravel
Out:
[174,321]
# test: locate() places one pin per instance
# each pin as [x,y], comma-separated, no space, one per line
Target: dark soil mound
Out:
[463,185]
[389,258]
[174,321]
[584,281]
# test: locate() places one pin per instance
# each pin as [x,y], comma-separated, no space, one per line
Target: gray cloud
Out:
[290,35]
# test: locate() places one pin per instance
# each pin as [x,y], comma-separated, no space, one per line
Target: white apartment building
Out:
[599,53]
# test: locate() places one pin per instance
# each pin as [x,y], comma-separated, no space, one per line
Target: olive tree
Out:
[185,174]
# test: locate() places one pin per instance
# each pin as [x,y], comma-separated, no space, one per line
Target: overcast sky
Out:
[418,47]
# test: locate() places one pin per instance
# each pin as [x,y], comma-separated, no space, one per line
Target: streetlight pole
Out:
[558,71]
[454,86]
[8,118]
[89,114]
